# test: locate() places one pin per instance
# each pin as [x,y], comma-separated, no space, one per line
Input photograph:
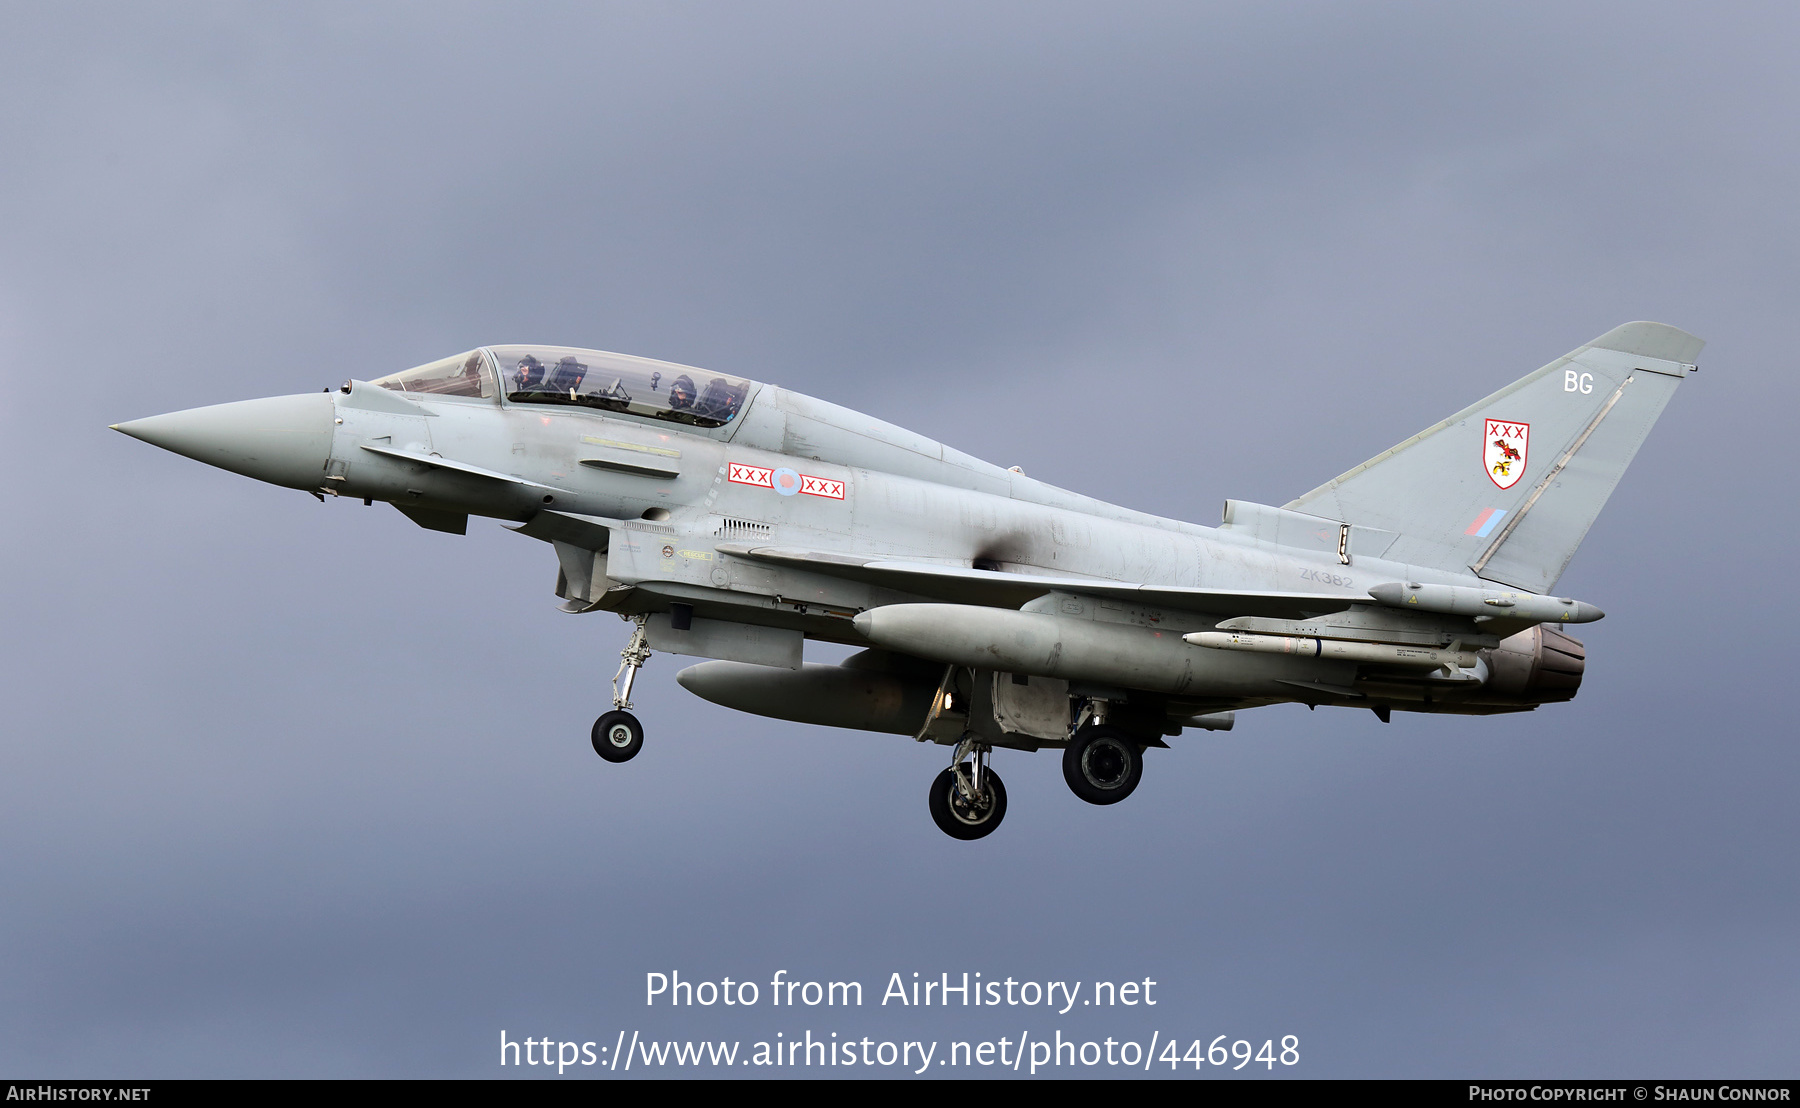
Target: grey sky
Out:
[295,790]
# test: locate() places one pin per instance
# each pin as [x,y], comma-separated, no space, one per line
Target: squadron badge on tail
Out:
[1505,450]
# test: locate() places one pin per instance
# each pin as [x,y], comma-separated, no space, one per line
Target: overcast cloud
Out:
[301,790]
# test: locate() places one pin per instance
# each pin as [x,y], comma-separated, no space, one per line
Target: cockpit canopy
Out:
[588,378]
[463,375]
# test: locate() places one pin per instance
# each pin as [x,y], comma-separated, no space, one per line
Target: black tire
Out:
[618,736]
[953,815]
[1102,764]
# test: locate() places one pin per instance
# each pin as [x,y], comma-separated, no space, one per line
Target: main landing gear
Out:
[968,800]
[618,735]
[1102,764]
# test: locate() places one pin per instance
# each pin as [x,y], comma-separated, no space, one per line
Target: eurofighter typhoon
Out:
[731,520]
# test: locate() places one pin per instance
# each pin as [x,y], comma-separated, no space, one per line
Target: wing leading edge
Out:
[962,585]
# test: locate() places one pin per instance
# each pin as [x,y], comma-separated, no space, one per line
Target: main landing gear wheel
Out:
[618,736]
[960,815]
[1102,765]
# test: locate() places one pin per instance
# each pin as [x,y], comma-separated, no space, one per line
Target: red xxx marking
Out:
[752,475]
[821,486]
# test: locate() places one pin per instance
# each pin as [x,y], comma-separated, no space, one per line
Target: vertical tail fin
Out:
[1508,487]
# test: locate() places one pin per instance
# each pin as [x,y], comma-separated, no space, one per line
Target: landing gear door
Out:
[949,714]
[1034,706]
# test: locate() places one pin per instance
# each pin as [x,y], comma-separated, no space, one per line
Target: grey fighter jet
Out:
[732,520]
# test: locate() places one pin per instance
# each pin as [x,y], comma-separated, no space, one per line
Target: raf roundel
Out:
[787,481]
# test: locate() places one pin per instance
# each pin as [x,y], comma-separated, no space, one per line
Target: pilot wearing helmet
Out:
[529,375]
[682,393]
[720,400]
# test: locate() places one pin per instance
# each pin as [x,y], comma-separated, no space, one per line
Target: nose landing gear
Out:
[968,800]
[618,735]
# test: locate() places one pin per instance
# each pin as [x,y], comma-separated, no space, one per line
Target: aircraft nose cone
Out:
[284,440]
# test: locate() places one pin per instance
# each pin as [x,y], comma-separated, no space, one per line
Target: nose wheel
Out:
[618,735]
[968,800]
